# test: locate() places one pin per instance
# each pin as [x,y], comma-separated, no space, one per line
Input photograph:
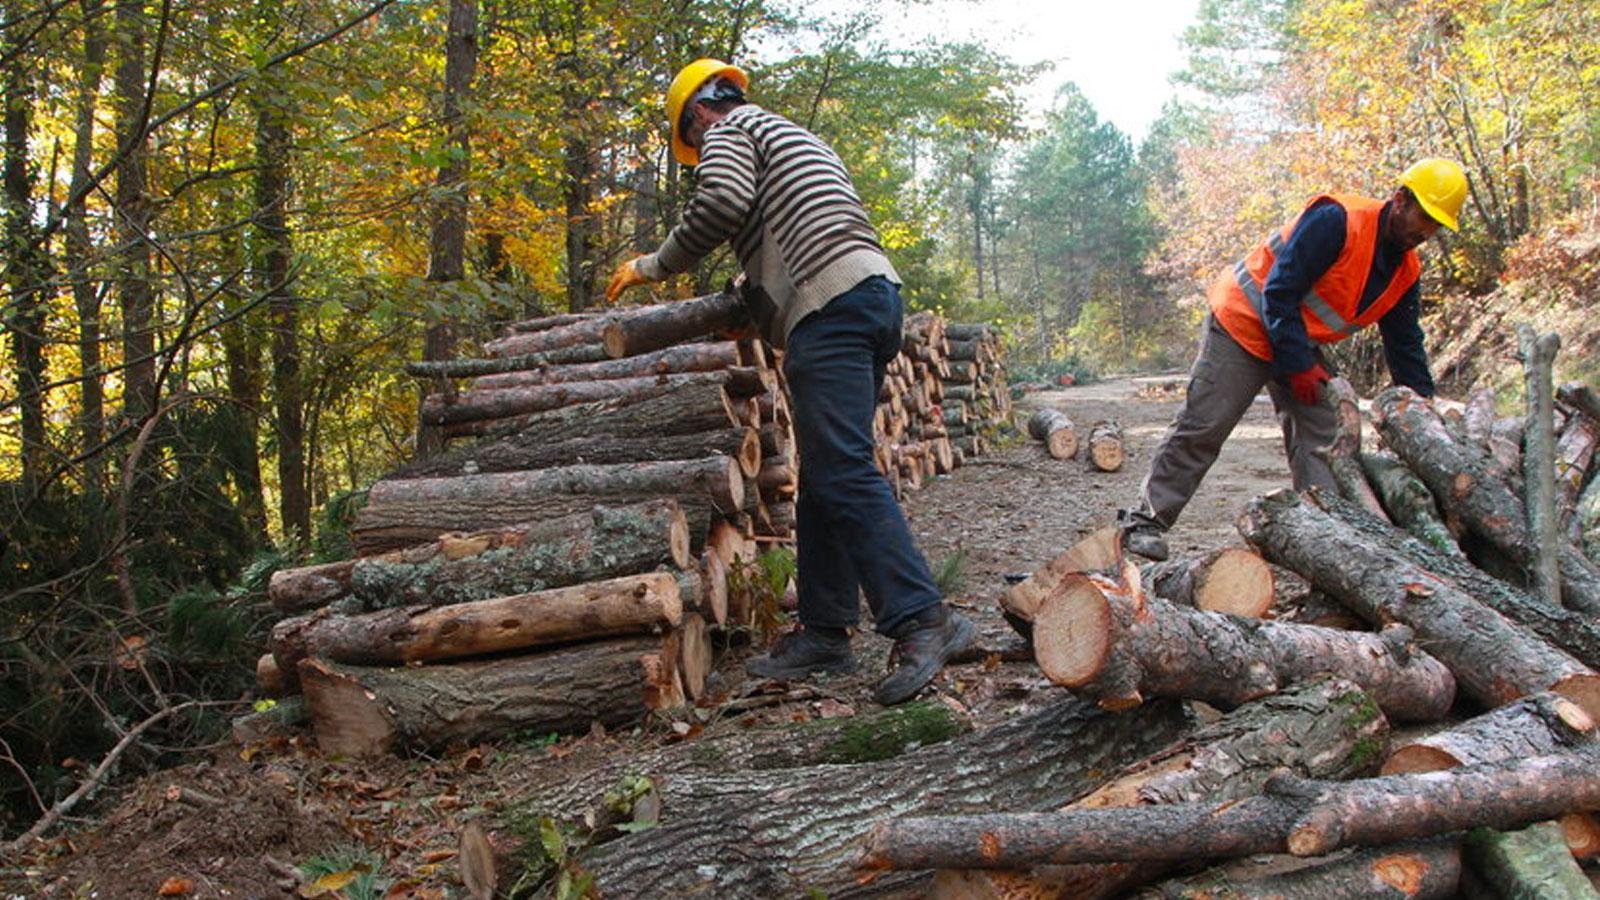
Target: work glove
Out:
[626,276]
[1306,386]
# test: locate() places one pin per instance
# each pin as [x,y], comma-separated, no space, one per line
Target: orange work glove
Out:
[1306,386]
[626,276]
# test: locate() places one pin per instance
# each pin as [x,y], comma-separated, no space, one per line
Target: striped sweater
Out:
[783,199]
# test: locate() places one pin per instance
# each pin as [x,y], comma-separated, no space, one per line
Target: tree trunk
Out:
[579,158]
[1113,645]
[1407,500]
[1229,580]
[399,513]
[674,324]
[704,357]
[1532,862]
[1303,817]
[475,406]
[577,354]
[1413,870]
[1055,429]
[80,247]
[132,205]
[308,587]
[1343,455]
[1460,478]
[363,711]
[782,833]
[1538,462]
[634,604]
[1495,660]
[1324,729]
[1105,446]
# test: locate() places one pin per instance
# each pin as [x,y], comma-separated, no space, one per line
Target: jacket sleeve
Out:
[723,198]
[1403,345]
[1311,249]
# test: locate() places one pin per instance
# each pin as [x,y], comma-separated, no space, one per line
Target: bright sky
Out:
[1119,53]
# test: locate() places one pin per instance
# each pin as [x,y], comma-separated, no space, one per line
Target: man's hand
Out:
[1306,386]
[626,276]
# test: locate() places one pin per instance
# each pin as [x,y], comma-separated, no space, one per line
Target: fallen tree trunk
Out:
[1109,644]
[674,323]
[400,513]
[1324,729]
[1413,870]
[1228,580]
[414,634]
[521,455]
[593,545]
[1408,501]
[1105,446]
[1303,817]
[1056,431]
[366,711]
[1343,454]
[782,833]
[1460,478]
[1494,660]
[707,357]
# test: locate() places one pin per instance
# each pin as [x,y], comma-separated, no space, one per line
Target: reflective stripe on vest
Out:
[1312,300]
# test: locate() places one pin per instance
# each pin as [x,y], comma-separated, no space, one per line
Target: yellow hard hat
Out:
[688,80]
[1440,186]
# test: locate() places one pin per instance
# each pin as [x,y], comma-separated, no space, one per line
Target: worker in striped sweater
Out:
[818,285]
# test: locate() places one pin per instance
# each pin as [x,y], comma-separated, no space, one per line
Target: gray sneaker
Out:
[803,653]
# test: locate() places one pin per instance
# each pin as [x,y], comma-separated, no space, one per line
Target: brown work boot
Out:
[921,649]
[805,652]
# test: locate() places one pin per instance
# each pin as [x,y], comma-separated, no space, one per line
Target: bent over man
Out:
[819,285]
[1344,263]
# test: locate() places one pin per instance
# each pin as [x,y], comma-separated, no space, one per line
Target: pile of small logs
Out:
[565,566]
[1103,449]
[1432,543]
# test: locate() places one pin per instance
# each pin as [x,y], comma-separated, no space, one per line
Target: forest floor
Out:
[243,821]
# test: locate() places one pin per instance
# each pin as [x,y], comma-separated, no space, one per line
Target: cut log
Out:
[593,545]
[582,331]
[545,323]
[414,634]
[1538,461]
[1413,870]
[270,678]
[1532,862]
[400,513]
[1477,417]
[280,721]
[707,357]
[1574,454]
[695,656]
[711,600]
[522,454]
[1229,580]
[1581,397]
[1587,519]
[1105,446]
[576,354]
[674,323]
[1100,552]
[782,833]
[1459,477]
[365,711]
[1324,729]
[1505,450]
[1408,501]
[308,587]
[1303,817]
[1056,431]
[476,406]
[1494,660]
[1343,454]
[1116,647]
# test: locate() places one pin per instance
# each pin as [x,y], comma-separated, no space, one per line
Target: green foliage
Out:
[361,866]
[763,581]
[951,573]
[332,541]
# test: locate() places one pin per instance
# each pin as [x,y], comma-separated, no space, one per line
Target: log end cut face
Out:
[1238,582]
[1584,690]
[1072,632]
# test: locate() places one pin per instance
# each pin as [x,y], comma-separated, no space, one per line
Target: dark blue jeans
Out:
[850,533]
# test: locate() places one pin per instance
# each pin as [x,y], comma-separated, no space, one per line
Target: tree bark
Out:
[399,513]
[1229,580]
[308,587]
[1494,660]
[1407,500]
[1532,862]
[1574,454]
[1413,870]
[132,204]
[464,368]
[1580,397]
[1115,646]
[508,455]
[711,356]
[1538,461]
[1056,431]
[1100,552]
[79,246]
[583,418]
[1105,446]
[366,711]
[475,406]
[674,324]
[1343,455]
[1325,729]
[580,331]
[1303,817]
[1459,477]
[1587,520]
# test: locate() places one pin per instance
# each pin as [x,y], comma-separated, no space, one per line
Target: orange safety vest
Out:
[1329,308]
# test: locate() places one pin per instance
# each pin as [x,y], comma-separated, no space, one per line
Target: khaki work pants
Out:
[1222,385]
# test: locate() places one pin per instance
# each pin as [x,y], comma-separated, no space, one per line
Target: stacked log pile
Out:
[1431,543]
[565,565]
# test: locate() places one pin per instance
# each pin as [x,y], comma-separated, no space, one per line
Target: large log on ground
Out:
[1056,431]
[1571,631]
[367,711]
[593,545]
[783,833]
[521,454]
[710,356]
[1299,816]
[414,634]
[1230,580]
[1460,477]
[470,408]
[1112,645]
[1343,454]
[1324,729]
[1494,659]
[308,587]
[1407,500]
[1105,446]
[1414,870]
[673,324]
[400,513]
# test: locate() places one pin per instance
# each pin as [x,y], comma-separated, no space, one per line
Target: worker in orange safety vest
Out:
[1344,263]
